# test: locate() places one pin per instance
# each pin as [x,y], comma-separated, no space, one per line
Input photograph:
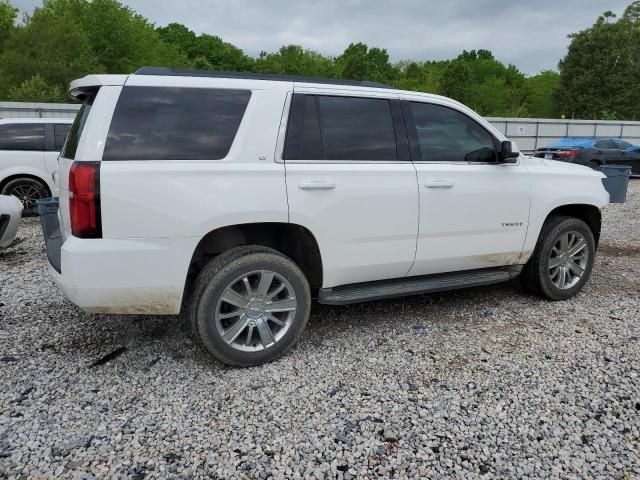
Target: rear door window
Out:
[356,128]
[167,123]
[22,136]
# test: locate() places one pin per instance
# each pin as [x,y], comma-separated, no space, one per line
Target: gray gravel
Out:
[487,382]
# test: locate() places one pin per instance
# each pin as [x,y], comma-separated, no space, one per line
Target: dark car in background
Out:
[593,152]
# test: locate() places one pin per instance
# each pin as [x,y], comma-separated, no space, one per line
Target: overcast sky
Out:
[532,34]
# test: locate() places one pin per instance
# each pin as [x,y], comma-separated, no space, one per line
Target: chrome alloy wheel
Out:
[255,310]
[28,192]
[568,260]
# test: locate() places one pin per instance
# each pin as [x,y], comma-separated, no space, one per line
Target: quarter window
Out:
[446,135]
[340,128]
[166,123]
[22,136]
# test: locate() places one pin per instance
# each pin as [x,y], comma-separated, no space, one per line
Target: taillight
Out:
[84,199]
[567,153]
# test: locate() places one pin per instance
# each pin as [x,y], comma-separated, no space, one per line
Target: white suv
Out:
[238,198]
[29,150]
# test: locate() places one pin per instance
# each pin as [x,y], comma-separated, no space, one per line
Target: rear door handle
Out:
[438,184]
[316,186]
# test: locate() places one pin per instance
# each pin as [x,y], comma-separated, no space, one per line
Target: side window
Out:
[167,123]
[22,136]
[325,127]
[605,144]
[303,140]
[446,135]
[60,131]
[356,128]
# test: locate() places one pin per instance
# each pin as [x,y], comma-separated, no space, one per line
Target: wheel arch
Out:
[31,176]
[590,214]
[293,240]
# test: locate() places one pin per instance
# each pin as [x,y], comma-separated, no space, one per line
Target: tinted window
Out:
[623,144]
[606,144]
[73,137]
[60,132]
[161,123]
[303,141]
[357,128]
[22,136]
[446,135]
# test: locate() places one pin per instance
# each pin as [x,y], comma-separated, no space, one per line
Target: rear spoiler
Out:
[78,88]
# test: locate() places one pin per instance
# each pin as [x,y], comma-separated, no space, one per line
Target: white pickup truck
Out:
[238,198]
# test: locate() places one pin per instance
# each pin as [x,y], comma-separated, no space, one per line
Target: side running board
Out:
[401,287]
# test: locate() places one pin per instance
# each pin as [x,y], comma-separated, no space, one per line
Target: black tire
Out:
[593,165]
[218,274]
[27,190]
[535,275]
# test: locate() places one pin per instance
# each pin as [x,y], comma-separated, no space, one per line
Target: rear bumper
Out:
[125,275]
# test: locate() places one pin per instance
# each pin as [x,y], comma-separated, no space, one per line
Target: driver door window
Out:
[446,135]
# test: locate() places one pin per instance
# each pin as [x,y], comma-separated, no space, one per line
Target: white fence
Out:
[40,110]
[528,133]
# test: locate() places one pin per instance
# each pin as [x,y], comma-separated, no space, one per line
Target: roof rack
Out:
[255,76]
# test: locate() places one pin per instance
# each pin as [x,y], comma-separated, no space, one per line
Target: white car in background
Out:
[29,149]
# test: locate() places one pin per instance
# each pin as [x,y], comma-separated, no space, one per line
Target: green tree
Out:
[359,62]
[51,47]
[122,41]
[295,60]
[7,21]
[36,89]
[540,91]
[205,51]
[601,71]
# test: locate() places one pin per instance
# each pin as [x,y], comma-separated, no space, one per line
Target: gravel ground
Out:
[486,382]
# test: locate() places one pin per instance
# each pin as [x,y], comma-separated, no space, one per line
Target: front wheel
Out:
[250,306]
[563,259]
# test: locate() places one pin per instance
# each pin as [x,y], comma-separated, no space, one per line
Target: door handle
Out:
[438,184]
[316,186]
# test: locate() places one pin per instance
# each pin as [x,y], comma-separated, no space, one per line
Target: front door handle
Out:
[438,184]
[316,186]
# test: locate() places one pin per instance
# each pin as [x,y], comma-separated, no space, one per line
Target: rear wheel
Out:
[250,306]
[594,165]
[28,191]
[562,261]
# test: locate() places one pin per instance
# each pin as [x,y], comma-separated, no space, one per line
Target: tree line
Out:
[65,39]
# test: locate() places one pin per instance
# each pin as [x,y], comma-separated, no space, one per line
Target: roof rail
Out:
[255,76]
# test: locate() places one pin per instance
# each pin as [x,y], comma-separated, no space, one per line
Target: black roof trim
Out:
[255,76]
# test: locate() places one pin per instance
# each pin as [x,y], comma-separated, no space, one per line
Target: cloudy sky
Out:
[532,34]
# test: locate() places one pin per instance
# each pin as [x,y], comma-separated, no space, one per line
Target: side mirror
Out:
[506,154]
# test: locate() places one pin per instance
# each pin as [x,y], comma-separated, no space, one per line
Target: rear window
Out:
[166,123]
[73,137]
[22,136]
[60,132]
